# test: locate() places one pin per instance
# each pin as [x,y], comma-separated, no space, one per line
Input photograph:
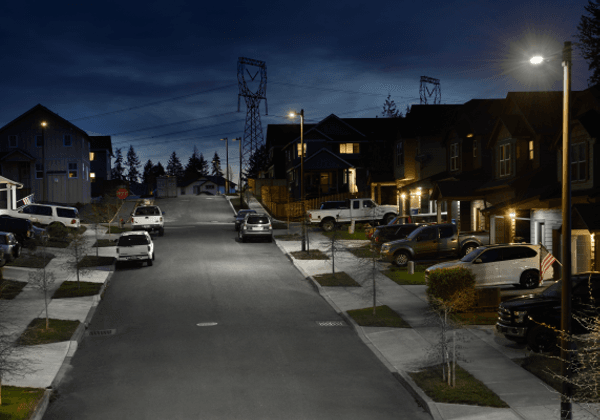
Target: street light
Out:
[227,168]
[43,162]
[293,114]
[565,353]
[240,180]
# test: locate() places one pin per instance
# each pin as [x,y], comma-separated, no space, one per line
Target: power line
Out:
[175,123]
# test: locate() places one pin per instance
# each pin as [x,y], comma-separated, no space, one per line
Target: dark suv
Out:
[536,318]
[388,233]
[23,229]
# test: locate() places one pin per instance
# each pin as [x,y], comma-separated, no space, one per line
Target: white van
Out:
[48,214]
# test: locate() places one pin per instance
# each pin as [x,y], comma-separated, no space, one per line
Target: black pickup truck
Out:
[520,319]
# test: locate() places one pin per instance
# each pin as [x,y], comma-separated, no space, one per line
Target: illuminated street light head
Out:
[43,123]
[292,114]
[538,59]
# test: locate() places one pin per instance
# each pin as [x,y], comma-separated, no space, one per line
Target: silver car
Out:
[256,226]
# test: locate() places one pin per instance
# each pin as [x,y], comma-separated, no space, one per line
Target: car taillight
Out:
[377,239]
[73,222]
[309,215]
[28,234]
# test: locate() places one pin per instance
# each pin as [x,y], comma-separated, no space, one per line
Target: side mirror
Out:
[164,213]
[478,261]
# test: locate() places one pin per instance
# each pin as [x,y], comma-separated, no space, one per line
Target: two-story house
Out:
[100,163]
[48,155]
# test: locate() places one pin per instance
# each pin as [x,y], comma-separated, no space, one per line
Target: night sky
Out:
[162,75]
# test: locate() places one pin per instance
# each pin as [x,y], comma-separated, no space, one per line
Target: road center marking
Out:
[206,324]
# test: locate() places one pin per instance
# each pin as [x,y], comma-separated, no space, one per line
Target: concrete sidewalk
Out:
[488,355]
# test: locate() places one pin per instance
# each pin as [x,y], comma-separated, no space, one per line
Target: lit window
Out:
[39,170]
[299,149]
[530,149]
[73,173]
[93,176]
[454,156]
[67,140]
[505,160]
[92,155]
[349,148]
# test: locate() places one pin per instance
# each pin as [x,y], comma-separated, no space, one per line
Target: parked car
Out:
[256,226]
[23,229]
[389,233]
[47,214]
[11,249]
[433,241]
[357,209]
[398,220]
[536,318]
[239,218]
[506,264]
[135,246]
[149,219]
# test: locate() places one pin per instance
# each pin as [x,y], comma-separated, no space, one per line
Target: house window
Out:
[39,170]
[400,153]
[454,156]
[73,172]
[474,148]
[299,145]
[530,149]
[39,141]
[505,160]
[578,162]
[67,140]
[93,176]
[92,156]
[349,148]
[12,141]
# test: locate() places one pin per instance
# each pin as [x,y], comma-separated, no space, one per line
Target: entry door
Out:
[56,188]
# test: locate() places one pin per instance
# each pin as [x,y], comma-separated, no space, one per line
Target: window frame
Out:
[579,164]
[39,170]
[531,150]
[298,147]
[16,139]
[504,160]
[454,151]
[349,148]
[75,170]
[400,153]
[65,136]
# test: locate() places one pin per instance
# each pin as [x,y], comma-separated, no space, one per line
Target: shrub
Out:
[57,231]
[447,284]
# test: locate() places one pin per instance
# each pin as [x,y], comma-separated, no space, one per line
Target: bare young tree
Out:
[99,213]
[77,251]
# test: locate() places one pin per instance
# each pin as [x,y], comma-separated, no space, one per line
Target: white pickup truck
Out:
[148,218]
[357,209]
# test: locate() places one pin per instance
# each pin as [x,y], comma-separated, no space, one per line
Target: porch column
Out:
[379,193]
[13,191]
[438,206]
[449,211]
[372,191]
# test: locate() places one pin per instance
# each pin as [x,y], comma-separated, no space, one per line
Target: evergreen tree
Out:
[133,163]
[174,166]
[147,175]
[118,171]
[159,170]
[589,38]
[259,161]
[389,109]
[193,165]
[203,166]
[216,165]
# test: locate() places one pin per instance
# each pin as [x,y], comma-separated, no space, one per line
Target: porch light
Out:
[512,215]
[403,196]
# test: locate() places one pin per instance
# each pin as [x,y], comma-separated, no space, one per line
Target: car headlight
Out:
[520,316]
[385,248]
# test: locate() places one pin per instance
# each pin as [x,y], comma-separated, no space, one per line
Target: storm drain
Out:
[100,333]
[331,323]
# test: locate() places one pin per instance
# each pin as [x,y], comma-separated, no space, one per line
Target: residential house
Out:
[204,184]
[52,161]
[100,163]
[340,155]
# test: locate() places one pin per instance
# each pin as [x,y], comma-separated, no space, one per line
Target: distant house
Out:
[52,161]
[204,184]
[100,167]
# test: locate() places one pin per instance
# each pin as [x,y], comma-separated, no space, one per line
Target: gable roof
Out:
[430,120]
[542,110]
[5,155]
[42,108]
[102,143]
[325,159]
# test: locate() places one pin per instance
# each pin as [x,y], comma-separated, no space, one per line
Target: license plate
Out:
[258,228]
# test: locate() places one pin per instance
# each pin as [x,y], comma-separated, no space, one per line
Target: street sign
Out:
[122,193]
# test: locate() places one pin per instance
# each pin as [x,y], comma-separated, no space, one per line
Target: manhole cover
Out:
[331,323]
[206,324]
[101,332]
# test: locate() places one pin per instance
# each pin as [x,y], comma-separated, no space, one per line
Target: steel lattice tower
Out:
[424,90]
[253,134]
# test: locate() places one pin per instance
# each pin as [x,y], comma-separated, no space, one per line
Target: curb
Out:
[413,389]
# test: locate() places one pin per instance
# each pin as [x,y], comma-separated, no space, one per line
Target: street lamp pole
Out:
[240,179]
[301,114]
[43,162]
[565,352]
[227,168]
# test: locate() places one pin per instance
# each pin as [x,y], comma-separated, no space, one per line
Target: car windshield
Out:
[554,290]
[147,211]
[471,256]
[258,220]
[243,213]
[132,240]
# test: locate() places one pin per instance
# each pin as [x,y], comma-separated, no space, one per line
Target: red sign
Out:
[122,193]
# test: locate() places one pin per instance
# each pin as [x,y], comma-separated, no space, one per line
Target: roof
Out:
[5,155]
[40,107]
[218,180]
[325,159]
[430,120]
[543,110]
[101,143]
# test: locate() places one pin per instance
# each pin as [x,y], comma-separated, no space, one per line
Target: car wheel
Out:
[149,262]
[328,225]
[401,259]
[468,248]
[153,256]
[542,339]
[530,279]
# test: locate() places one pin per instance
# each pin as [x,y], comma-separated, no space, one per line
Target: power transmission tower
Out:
[424,90]
[253,135]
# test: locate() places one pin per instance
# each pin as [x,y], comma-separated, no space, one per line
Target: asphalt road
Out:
[219,329]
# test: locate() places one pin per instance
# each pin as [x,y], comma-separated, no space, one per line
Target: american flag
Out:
[26,200]
[547,260]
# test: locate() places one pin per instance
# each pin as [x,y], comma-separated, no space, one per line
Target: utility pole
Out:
[240,179]
[43,163]
[227,169]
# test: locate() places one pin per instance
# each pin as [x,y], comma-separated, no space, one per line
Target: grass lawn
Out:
[57,243]
[19,403]
[35,260]
[339,279]
[100,243]
[58,330]
[313,254]
[9,289]
[93,261]
[468,390]
[69,289]
[401,276]
[384,317]
[342,233]
[364,251]
[542,366]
